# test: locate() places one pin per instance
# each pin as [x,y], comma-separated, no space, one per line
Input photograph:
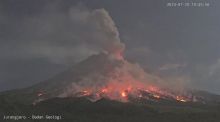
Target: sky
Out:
[40,38]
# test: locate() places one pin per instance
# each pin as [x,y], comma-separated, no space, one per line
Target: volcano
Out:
[104,76]
[104,86]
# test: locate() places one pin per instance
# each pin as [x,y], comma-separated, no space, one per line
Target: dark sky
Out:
[38,39]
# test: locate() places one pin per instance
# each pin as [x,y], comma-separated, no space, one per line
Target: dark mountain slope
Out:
[83,110]
[101,64]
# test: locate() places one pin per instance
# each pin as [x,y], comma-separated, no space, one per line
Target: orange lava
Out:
[104,90]
[120,92]
[123,94]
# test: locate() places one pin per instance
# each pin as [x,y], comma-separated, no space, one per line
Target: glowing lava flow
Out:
[123,94]
[124,82]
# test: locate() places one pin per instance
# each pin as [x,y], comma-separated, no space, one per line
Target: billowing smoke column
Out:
[100,30]
[111,43]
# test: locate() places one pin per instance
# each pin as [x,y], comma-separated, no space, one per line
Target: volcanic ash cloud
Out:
[101,31]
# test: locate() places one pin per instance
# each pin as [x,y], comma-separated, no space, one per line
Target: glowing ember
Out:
[140,96]
[153,89]
[181,99]
[156,96]
[104,90]
[123,94]
[39,94]
[85,93]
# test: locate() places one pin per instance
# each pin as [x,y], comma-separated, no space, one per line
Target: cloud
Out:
[214,68]
[140,51]
[100,29]
[139,54]
[173,66]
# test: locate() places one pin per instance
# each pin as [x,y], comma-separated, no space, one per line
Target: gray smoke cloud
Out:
[100,29]
[64,36]
[124,76]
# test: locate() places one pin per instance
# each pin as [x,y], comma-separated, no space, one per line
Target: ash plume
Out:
[63,37]
[103,31]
